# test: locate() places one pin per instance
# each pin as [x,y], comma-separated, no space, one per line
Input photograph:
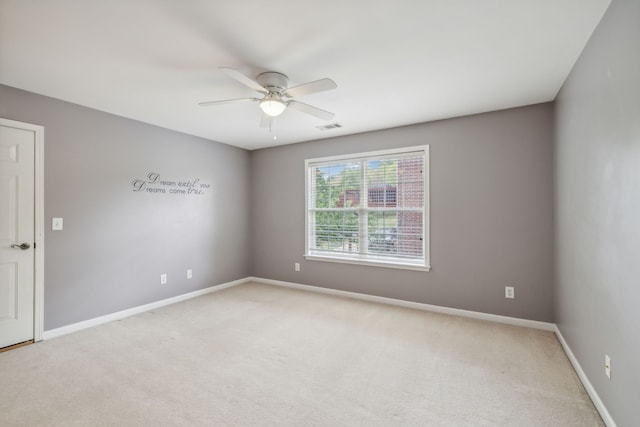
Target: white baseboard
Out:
[52,333]
[415,305]
[606,416]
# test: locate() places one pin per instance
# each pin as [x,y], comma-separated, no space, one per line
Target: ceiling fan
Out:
[277,95]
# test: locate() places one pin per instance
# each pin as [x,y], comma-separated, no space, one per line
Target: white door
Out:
[17,234]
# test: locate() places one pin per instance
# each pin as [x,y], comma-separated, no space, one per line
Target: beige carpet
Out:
[257,355]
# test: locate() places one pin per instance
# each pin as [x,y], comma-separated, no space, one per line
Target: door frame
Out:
[38,264]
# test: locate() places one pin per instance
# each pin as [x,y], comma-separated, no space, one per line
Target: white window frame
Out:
[422,264]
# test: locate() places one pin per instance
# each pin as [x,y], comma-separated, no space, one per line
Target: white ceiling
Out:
[396,62]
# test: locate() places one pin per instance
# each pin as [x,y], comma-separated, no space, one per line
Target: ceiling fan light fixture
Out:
[272,105]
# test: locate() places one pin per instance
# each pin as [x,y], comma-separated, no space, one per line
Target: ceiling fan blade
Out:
[314,111]
[311,87]
[227,101]
[237,75]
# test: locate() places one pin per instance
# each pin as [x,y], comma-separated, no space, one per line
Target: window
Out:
[369,208]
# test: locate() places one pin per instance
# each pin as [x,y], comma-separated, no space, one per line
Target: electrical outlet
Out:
[509,292]
[189,274]
[296,266]
[163,279]
[607,366]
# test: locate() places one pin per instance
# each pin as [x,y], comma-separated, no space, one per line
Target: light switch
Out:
[56,224]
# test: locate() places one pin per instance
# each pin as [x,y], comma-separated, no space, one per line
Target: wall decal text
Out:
[154,183]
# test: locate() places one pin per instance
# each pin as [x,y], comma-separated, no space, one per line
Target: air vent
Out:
[331,126]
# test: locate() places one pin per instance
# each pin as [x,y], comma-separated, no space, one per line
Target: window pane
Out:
[410,182]
[383,233]
[410,243]
[337,231]
[382,183]
[397,234]
[337,186]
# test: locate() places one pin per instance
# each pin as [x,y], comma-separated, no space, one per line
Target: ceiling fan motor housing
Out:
[274,82]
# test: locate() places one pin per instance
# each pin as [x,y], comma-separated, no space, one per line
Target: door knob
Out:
[23,246]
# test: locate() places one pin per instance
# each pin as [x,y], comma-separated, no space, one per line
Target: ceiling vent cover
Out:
[331,126]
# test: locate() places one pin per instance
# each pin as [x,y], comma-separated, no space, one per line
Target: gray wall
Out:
[598,209]
[117,242]
[491,214]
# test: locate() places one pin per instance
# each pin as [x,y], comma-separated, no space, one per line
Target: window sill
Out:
[369,262]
